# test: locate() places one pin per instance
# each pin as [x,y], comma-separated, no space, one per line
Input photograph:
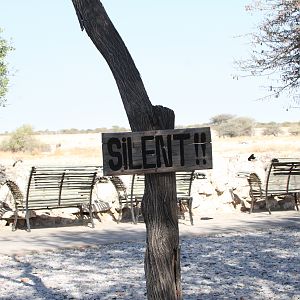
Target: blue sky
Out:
[184,51]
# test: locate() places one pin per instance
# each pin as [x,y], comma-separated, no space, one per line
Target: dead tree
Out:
[159,207]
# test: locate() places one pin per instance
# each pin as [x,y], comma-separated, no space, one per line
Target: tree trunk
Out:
[159,207]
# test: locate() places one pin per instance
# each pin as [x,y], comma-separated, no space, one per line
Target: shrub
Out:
[294,131]
[22,140]
[221,119]
[241,126]
[272,129]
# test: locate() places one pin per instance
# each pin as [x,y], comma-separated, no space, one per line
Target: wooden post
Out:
[159,207]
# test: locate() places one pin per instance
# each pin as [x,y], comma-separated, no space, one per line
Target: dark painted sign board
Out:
[156,151]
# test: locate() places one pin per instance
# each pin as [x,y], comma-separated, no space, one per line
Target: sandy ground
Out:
[107,231]
[223,256]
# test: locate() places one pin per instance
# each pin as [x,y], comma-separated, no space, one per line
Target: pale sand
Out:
[231,256]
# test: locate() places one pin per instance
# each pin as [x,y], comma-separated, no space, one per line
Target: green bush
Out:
[22,140]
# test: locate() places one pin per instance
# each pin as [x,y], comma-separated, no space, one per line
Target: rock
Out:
[272,202]
[245,209]
[235,198]
[3,223]
[65,211]
[105,192]
[203,187]
[8,215]
[288,202]
[225,198]
[22,215]
[260,205]
[44,216]
[220,186]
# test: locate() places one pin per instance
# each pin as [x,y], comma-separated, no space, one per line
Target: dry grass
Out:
[77,152]
[281,146]
[86,148]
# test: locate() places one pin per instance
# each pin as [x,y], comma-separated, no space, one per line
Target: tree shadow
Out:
[93,273]
[259,265]
[229,263]
[256,265]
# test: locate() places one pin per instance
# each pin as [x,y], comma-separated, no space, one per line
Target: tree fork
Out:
[159,206]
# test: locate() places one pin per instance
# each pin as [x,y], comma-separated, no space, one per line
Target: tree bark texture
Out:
[159,206]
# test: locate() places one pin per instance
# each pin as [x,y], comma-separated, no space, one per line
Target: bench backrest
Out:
[283,177]
[50,187]
[120,188]
[256,192]
[15,192]
[183,185]
[137,187]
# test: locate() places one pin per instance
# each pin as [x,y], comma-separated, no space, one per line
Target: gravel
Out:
[255,265]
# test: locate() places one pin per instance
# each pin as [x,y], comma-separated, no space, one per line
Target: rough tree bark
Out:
[159,208]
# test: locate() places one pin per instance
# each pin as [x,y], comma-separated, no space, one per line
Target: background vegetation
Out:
[275,47]
[5,48]
[25,139]
[22,140]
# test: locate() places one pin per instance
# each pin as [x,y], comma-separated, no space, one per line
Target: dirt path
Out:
[106,232]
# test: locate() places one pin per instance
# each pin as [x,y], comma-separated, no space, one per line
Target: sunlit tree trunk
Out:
[159,208]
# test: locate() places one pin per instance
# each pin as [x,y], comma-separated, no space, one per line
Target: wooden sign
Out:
[156,151]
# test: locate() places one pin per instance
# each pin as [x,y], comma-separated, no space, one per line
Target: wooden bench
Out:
[131,197]
[283,178]
[55,187]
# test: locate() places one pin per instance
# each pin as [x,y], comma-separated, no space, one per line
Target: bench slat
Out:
[57,187]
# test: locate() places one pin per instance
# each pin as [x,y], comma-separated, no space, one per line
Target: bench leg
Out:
[120,213]
[296,200]
[252,206]
[137,209]
[81,213]
[14,226]
[133,209]
[135,214]
[91,215]
[267,205]
[190,211]
[27,221]
[180,209]
[133,217]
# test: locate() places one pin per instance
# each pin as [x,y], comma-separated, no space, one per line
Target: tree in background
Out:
[219,119]
[272,129]
[276,46]
[22,140]
[234,126]
[227,125]
[295,129]
[5,48]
